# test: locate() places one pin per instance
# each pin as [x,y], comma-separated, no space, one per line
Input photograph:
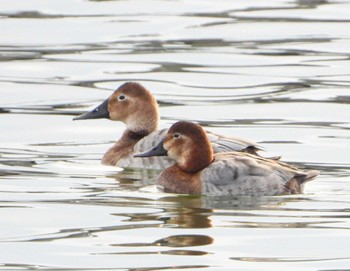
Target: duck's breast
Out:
[240,175]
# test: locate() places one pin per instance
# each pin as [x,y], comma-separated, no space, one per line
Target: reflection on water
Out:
[273,72]
[177,241]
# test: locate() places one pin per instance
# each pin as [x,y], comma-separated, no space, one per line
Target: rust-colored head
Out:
[188,144]
[132,104]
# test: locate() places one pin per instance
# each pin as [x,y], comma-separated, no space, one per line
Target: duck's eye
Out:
[121,97]
[176,135]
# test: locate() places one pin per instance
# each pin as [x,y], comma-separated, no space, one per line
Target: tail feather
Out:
[310,175]
[296,185]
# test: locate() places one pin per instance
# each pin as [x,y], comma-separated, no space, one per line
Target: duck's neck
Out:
[123,147]
[196,158]
[145,119]
[130,136]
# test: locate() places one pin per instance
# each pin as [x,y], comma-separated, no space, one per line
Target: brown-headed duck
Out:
[199,171]
[134,105]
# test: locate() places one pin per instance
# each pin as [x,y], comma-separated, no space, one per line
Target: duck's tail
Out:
[296,185]
[310,175]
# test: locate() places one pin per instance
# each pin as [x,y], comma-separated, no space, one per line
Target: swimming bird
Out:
[135,106]
[199,171]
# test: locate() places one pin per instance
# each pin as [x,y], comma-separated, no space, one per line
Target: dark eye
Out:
[176,135]
[121,97]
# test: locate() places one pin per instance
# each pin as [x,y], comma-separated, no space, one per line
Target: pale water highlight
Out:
[276,72]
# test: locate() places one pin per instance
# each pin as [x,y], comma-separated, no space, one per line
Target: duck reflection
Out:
[174,241]
[133,179]
[196,212]
[311,3]
[183,211]
[176,212]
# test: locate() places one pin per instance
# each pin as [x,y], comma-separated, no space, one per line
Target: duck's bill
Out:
[100,112]
[156,151]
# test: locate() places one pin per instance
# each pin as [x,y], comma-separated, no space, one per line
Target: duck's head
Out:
[132,104]
[187,143]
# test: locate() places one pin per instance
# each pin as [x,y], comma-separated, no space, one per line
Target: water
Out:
[276,72]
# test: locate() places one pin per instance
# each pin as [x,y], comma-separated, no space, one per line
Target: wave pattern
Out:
[275,72]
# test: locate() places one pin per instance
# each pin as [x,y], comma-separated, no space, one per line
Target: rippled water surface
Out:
[277,72]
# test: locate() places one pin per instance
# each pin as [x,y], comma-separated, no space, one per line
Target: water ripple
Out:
[276,73]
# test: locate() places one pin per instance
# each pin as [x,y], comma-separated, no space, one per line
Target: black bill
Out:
[156,151]
[100,112]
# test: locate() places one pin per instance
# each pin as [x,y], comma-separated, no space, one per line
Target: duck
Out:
[137,108]
[199,171]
